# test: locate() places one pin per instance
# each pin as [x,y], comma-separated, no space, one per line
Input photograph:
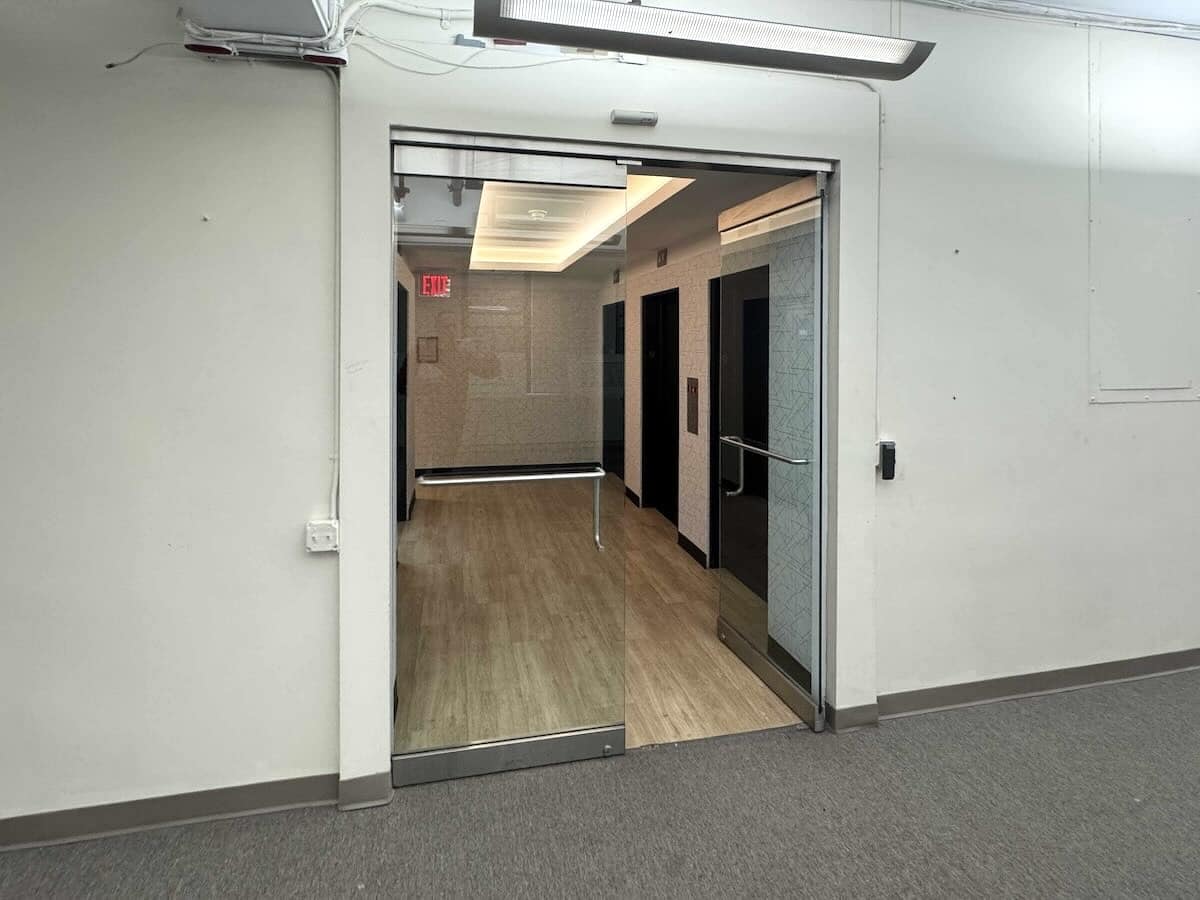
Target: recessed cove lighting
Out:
[655,31]
[548,228]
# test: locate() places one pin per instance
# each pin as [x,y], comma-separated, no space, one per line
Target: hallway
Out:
[1089,793]
[510,624]
[681,682]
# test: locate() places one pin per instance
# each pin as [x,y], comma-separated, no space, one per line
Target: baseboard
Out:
[633,498]
[692,550]
[68,825]
[906,703]
[772,676]
[851,718]
[365,791]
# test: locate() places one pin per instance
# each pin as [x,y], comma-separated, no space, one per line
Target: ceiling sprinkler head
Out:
[538,214]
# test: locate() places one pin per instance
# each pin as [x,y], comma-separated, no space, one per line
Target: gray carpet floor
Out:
[1094,793]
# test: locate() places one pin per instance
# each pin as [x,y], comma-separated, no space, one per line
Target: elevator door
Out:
[510,601]
[660,403]
[770,451]
[613,377]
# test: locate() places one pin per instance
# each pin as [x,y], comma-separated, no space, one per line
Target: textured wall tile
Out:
[792,427]
[517,379]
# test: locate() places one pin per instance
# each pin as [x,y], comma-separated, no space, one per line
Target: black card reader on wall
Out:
[887,460]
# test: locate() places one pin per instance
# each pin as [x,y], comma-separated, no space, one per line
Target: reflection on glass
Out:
[510,621]
[769,508]
[614,388]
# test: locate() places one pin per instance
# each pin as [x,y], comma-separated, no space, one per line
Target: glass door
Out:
[510,581]
[770,466]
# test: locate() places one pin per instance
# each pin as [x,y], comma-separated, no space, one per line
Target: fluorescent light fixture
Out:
[655,31]
[548,227]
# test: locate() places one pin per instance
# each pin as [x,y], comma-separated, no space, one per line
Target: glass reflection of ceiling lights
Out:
[547,228]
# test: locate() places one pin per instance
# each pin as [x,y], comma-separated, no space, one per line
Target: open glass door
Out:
[510,581]
[770,419]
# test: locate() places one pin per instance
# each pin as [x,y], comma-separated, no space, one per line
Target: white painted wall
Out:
[1029,529]
[166,405]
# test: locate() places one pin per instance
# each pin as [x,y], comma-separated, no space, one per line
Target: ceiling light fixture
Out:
[567,224]
[655,31]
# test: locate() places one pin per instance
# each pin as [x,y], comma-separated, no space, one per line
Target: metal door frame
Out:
[413,768]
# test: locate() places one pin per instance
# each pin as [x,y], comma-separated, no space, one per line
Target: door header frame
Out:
[634,154]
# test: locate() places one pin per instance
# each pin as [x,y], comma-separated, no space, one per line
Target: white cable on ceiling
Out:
[456,66]
[124,62]
[406,47]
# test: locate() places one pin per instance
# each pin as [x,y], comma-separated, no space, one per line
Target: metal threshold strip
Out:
[504,756]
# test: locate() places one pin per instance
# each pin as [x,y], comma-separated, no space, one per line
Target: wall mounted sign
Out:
[427,350]
[433,284]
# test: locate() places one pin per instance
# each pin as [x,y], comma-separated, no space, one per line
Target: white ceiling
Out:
[1186,11]
[308,18]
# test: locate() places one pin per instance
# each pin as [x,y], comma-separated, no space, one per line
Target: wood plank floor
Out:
[510,623]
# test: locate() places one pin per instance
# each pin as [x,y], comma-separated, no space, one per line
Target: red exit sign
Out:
[434,284]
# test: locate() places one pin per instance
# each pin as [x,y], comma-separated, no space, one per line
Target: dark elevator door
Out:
[614,389]
[402,488]
[745,306]
[660,403]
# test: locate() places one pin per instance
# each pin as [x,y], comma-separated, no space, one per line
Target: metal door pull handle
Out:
[733,441]
[742,447]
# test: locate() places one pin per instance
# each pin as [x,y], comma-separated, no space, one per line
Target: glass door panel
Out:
[510,586]
[770,466]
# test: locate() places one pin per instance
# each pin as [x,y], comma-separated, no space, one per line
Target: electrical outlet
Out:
[321,536]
